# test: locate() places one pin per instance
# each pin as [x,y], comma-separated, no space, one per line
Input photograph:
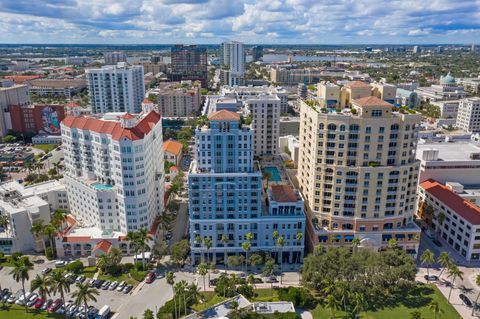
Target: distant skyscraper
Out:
[473,48]
[233,57]
[112,58]
[189,62]
[257,53]
[116,88]
[417,49]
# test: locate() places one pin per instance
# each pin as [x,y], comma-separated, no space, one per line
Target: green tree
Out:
[207,243]
[355,243]
[246,248]
[428,259]
[7,139]
[37,231]
[332,304]
[170,278]
[83,295]
[453,272]
[280,244]
[416,315]
[59,284]
[103,262]
[477,281]
[148,314]
[445,261]
[202,271]
[20,274]
[43,284]
[179,251]
[435,307]
[225,243]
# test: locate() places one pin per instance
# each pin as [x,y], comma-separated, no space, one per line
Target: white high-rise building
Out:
[468,116]
[112,58]
[116,88]
[265,113]
[114,169]
[233,56]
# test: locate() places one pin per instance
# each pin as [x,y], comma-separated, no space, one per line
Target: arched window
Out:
[321,126]
[332,127]
[342,128]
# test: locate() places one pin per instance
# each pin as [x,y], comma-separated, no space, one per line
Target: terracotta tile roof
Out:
[172,147]
[173,169]
[72,104]
[127,116]
[456,203]
[103,245]
[357,84]
[21,78]
[76,239]
[370,101]
[224,115]
[283,193]
[113,128]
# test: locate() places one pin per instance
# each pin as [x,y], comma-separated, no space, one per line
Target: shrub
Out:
[127,267]
[300,297]
[246,290]
[16,256]
[137,275]
[76,267]
[49,253]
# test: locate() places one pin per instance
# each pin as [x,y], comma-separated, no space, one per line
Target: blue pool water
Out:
[274,174]
[102,186]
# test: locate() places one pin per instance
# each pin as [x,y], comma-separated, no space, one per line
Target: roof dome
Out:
[447,79]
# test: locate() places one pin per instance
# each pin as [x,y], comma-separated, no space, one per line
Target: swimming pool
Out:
[274,173]
[102,186]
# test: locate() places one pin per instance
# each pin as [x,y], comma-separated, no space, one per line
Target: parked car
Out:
[11,298]
[150,277]
[6,296]
[91,282]
[32,299]
[23,298]
[466,300]
[271,279]
[430,278]
[437,243]
[39,303]
[80,278]
[55,305]
[113,285]
[105,285]
[46,271]
[60,263]
[127,289]
[71,310]
[99,283]
[213,282]
[46,304]
[121,285]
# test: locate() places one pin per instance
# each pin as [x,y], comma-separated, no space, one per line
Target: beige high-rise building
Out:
[384,91]
[354,90]
[265,112]
[329,92]
[358,174]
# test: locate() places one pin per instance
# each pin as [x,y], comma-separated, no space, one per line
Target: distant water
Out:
[303,58]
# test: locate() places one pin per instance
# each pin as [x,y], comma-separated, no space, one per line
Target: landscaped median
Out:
[18,312]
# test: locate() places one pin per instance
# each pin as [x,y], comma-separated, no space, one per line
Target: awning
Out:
[386,237]
[400,236]
[349,237]
[338,237]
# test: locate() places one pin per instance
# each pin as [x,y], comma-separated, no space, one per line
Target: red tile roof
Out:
[103,245]
[283,193]
[127,116]
[72,104]
[77,239]
[456,203]
[113,128]
[224,115]
[173,147]
[357,84]
[370,101]
[19,79]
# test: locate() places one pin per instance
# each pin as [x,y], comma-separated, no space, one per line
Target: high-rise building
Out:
[178,99]
[114,169]
[189,62]
[257,53]
[358,173]
[265,113]
[11,95]
[468,115]
[113,58]
[226,201]
[233,58]
[116,88]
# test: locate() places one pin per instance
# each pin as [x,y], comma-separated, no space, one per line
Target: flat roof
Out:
[450,151]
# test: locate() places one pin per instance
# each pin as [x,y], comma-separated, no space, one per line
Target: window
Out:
[376,113]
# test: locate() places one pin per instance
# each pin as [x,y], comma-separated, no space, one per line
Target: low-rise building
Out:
[455,219]
[468,116]
[289,144]
[57,87]
[35,118]
[448,109]
[471,85]
[11,95]
[448,89]
[173,151]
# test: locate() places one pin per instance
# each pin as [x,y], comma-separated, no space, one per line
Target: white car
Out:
[60,263]
[121,286]
[21,300]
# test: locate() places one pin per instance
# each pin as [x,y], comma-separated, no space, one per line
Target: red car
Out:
[55,305]
[150,277]
[39,303]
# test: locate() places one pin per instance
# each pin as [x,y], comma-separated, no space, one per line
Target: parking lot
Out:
[143,296]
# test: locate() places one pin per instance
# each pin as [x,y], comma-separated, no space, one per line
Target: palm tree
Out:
[280,244]
[180,291]
[444,260]
[58,218]
[49,230]
[207,242]
[435,307]
[331,303]
[20,274]
[59,284]
[275,237]
[142,239]
[4,221]
[427,258]
[392,243]
[103,262]
[359,302]
[299,238]
[83,295]
[246,248]
[453,272]
[170,277]
[202,271]
[225,242]
[37,230]
[355,244]
[132,239]
[477,281]
[43,284]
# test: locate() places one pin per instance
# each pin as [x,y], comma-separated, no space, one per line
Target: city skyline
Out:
[207,21]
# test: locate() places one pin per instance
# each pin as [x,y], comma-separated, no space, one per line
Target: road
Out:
[181,223]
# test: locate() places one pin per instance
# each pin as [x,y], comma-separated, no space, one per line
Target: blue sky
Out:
[251,21]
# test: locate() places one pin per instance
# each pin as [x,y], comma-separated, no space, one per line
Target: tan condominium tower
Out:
[358,174]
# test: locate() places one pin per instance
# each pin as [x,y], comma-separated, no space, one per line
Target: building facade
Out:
[265,114]
[114,170]
[468,116]
[37,118]
[113,58]
[226,200]
[11,95]
[189,62]
[178,99]
[116,88]
[358,174]
[232,56]
[242,93]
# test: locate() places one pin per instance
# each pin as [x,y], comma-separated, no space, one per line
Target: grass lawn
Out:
[18,312]
[210,299]
[266,295]
[89,272]
[45,147]
[404,306]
